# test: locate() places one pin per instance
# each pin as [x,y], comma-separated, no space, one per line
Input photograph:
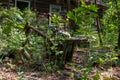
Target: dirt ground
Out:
[22,72]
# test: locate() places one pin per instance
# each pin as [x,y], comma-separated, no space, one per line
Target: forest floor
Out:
[9,71]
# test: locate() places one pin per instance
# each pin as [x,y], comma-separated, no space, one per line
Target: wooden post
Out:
[78,3]
[69,5]
[34,4]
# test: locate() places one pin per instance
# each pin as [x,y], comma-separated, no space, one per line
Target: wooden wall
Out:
[6,3]
[39,5]
[42,5]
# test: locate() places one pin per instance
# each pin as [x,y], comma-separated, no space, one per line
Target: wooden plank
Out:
[69,47]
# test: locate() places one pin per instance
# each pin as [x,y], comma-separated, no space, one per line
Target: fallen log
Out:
[27,29]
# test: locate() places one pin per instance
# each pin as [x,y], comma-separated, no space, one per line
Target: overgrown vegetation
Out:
[24,40]
[27,44]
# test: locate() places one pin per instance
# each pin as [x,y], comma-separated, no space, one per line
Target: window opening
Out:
[22,4]
[54,9]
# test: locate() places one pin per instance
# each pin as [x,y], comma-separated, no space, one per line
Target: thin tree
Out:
[98,26]
[118,15]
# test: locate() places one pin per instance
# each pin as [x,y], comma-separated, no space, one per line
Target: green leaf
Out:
[93,7]
[72,75]
[78,9]
[1,53]
[115,58]
[96,76]
[7,29]
[101,60]
[59,52]
[71,16]
[20,73]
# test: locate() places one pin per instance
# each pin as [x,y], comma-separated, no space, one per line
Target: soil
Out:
[19,71]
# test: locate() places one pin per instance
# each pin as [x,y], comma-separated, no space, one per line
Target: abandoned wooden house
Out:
[43,7]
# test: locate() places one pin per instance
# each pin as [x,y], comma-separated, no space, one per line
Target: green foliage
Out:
[58,20]
[104,58]
[56,36]
[71,75]
[85,75]
[12,35]
[96,76]
[111,22]
[83,16]
[20,74]
[14,18]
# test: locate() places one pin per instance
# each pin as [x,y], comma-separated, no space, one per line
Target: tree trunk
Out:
[98,26]
[118,37]
[98,29]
